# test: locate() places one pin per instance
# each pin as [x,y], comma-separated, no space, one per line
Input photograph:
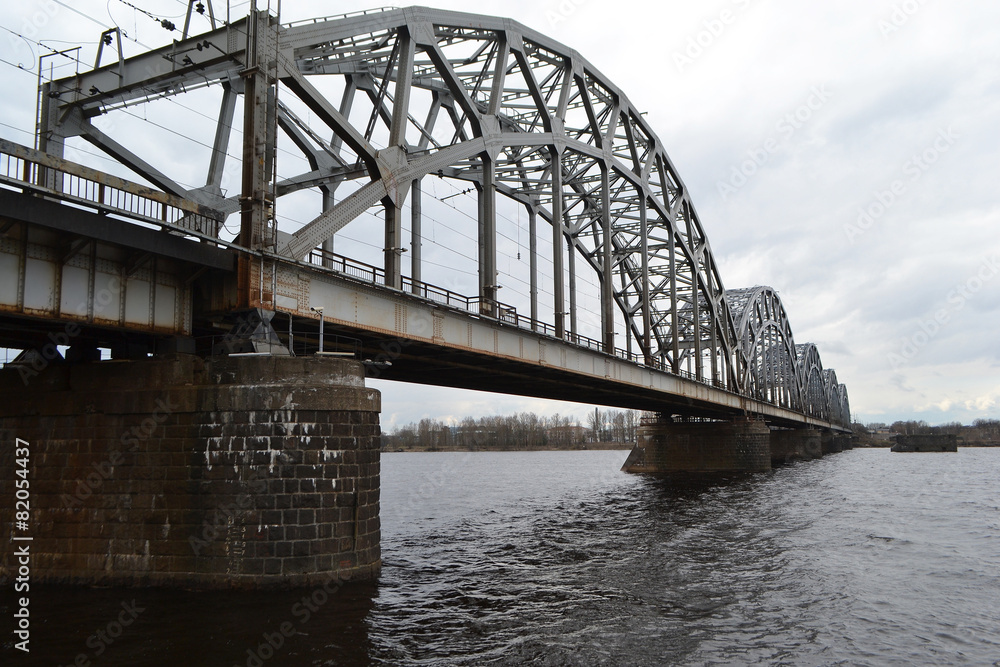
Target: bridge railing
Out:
[35,171]
[494,310]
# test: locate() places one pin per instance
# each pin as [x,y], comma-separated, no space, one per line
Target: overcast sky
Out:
[843,153]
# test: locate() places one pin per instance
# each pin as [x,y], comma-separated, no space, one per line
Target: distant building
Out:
[883,433]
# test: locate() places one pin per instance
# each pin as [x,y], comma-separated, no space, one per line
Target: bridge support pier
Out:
[832,443]
[798,444]
[231,472]
[681,447]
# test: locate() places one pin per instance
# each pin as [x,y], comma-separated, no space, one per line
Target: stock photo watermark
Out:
[956,299]
[393,350]
[900,15]
[212,526]
[21,537]
[711,31]
[302,611]
[49,352]
[787,126]
[564,10]
[913,170]
[130,439]
[38,19]
[104,637]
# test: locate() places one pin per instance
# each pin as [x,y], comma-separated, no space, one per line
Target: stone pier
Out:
[231,472]
[788,445]
[834,443]
[674,447]
[926,443]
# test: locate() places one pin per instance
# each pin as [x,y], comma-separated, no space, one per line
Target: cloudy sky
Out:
[843,153]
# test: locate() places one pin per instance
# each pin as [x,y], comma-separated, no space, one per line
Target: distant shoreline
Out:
[586,447]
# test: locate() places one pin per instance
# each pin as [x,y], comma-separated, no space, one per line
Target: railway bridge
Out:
[192,352]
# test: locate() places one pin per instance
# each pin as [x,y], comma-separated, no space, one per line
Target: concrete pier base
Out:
[788,445]
[232,472]
[673,447]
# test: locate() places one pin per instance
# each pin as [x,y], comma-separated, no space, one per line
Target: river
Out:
[556,558]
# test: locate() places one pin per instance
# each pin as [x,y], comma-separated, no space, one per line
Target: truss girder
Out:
[773,368]
[516,113]
[528,100]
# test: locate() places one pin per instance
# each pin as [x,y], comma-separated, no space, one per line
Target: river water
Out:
[557,558]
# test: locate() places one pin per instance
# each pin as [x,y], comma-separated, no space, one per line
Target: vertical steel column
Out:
[328,203]
[488,238]
[488,277]
[393,245]
[607,277]
[533,265]
[416,236]
[557,236]
[480,248]
[47,139]
[713,331]
[647,343]
[675,325]
[571,253]
[253,200]
[695,305]
[397,138]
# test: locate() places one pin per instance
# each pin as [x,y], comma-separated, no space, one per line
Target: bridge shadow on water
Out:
[685,487]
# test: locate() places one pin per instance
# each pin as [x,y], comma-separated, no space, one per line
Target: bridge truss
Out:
[471,98]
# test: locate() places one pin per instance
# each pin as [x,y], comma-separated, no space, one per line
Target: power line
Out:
[165,23]
[20,67]
[44,46]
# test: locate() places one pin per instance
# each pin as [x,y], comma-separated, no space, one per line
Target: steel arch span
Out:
[773,368]
[474,98]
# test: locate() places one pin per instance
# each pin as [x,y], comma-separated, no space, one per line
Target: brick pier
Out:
[231,472]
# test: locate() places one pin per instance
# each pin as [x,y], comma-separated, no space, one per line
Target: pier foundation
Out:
[231,472]
[788,445]
[672,447]
[926,443]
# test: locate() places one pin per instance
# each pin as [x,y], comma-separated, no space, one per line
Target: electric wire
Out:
[44,46]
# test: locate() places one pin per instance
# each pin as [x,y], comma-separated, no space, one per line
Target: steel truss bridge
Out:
[89,259]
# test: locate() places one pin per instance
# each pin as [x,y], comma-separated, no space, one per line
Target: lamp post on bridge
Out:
[319,309]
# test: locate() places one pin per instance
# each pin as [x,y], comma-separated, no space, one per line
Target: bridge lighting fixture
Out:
[319,309]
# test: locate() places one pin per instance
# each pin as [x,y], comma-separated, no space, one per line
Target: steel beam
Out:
[416,236]
[488,236]
[255,199]
[607,275]
[223,131]
[533,264]
[555,172]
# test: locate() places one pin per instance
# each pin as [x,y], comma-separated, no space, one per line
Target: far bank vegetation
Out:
[524,431]
[981,433]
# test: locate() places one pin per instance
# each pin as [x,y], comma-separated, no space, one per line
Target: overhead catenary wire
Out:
[52,50]
[164,22]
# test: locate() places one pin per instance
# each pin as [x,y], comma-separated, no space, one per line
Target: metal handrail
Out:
[37,171]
